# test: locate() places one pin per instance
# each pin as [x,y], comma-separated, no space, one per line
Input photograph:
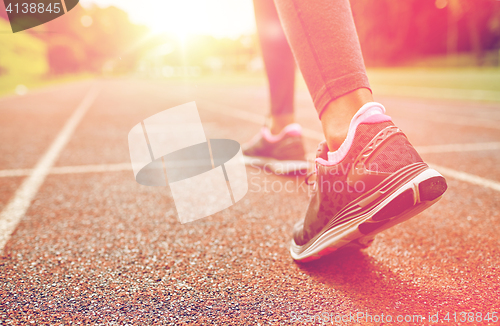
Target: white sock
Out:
[366,111]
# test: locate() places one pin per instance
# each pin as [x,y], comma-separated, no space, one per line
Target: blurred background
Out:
[410,42]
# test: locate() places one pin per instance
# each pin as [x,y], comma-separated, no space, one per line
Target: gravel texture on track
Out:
[98,248]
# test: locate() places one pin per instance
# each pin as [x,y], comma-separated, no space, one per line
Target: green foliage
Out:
[83,40]
[21,54]
[108,42]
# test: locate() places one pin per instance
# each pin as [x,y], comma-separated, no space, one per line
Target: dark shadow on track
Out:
[371,284]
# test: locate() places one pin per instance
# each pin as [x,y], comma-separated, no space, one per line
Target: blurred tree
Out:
[392,32]
[96,39]
[21,54]
[455,12]
[384,28]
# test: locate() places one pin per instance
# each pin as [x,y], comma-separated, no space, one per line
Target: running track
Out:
[83,243]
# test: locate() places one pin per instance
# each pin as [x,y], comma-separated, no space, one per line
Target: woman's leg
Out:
[375,179]
[325,44]
[279,63]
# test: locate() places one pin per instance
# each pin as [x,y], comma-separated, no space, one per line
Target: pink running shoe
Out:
[283,153]
[375,180]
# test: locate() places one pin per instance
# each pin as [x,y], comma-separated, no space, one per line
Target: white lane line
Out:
[462,176]
[456,120]
[21,201]
[40,91]
[315,135]
[233,112]
[439,93]
[95,168]
[312,134]
[448,148]
[252,117]
[470,178]
[91,168]
[15,173]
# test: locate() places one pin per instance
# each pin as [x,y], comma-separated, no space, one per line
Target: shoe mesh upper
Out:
[364,134]
[333,193]
[397,154]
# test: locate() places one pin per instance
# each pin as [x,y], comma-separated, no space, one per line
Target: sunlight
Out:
[219,18]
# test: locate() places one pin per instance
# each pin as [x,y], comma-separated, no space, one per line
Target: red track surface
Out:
[98,248]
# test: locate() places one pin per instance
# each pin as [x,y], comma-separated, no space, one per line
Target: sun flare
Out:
[219,18]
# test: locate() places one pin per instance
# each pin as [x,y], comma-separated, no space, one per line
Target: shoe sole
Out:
[401,196]
[276,166]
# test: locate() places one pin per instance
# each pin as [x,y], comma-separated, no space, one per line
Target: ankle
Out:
[278,122]
[337,116]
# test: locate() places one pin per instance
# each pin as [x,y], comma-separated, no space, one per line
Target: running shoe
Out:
[375,180]
[282,153]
